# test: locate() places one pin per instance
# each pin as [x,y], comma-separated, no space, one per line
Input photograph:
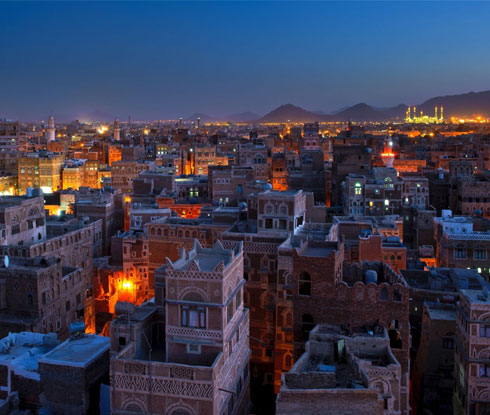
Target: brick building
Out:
[41,295]
[123,173]
[41,170]
[189,353]
[312,277]
[343,371]
[72,373]
[73,243]
[22,220]
[433,371]
[460,245]
[472,359]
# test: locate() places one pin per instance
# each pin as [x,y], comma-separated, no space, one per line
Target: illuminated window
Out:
[388,183]
[358,189]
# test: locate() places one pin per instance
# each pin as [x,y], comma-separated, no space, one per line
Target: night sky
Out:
[162,60]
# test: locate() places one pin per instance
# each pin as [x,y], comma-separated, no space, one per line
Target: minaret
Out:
[51,130]
[435,113]
[198,123]
[117,130]
[180,123]
[442,113]
[387,155]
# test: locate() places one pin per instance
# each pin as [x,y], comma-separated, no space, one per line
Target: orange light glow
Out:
[127,285]
[387,155]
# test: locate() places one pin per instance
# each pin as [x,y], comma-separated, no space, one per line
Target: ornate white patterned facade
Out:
[188,355]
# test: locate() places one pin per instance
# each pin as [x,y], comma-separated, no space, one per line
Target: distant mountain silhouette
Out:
[292,113]
[361,112]
[469,104]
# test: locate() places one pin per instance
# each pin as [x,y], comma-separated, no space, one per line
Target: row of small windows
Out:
[304,288]
[180,233]
[461,253]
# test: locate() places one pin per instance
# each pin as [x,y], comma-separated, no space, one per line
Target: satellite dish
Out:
[6,261]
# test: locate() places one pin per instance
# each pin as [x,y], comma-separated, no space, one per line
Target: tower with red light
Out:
[387,155]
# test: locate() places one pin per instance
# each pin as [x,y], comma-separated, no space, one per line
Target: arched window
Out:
[388,183]
[397,296]
[358,188]
[384,294]
[194,297]
[307,324]
[30,299]
[159,232]
[304,284]
[193,316]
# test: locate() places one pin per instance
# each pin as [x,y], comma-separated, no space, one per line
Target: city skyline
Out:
[166,60]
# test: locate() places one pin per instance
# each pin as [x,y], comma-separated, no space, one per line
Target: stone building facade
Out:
[41,295]
[472,359]
[342,372]
[198,331]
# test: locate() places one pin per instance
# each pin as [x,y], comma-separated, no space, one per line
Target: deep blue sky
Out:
[161,60]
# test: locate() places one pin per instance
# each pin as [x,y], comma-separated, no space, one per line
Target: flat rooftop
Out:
[21,351]
[477,296]
[441,311]
[79,352]
[205,258]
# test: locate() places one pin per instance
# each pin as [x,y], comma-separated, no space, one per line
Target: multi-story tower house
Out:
[272,216]
[40,295]
[198,332]
[22,220]
[472,359]
[40,170]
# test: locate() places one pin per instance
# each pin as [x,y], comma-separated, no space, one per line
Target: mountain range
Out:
[462,105]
